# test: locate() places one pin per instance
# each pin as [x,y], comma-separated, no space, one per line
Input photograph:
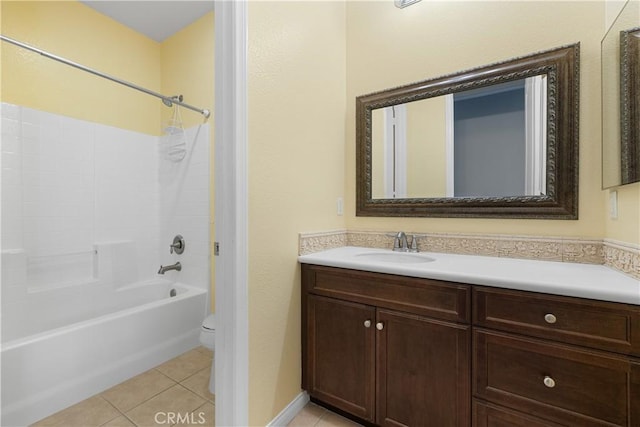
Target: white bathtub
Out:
[88,339]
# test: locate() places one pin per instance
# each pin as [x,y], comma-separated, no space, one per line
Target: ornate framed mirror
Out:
[500,140]
[629,108]
[620,56]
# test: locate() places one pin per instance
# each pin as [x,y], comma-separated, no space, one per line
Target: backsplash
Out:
[621,256]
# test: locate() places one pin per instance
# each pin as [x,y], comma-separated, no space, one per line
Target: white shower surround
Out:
[88,205]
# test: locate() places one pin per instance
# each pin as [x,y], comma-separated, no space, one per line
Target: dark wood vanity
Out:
[402,351]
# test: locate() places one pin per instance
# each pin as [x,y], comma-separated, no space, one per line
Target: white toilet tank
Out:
[208,332]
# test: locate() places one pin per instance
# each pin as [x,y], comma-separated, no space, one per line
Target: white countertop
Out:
[560,278]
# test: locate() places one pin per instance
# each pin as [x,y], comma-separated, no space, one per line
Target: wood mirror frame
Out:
[629,106]
[561,67]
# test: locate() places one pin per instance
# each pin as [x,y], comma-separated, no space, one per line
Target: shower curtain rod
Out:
[166,100]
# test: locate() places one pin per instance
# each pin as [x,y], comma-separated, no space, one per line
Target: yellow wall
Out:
[388,47]
[426,148]
[296,87]
[80,34]
[626,228]
[187,69]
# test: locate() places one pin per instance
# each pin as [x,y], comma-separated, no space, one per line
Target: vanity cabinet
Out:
[387,349]
[568,361]
[400,351]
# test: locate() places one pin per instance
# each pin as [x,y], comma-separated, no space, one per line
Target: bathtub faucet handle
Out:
[177,245]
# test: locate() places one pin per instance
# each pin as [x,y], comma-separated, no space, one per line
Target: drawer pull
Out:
[379,326]
[549,382]
[550,318]
[367,323]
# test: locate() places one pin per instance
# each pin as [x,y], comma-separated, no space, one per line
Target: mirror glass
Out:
[620,55]
[484,142]
[496,141]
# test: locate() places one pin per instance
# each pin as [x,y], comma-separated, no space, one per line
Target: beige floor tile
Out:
[133,392]
[154,412]
[92,412]
[199,384]
[309,416]
[121,421]
[334,420]
[205,415]
[205,351]
[185,365]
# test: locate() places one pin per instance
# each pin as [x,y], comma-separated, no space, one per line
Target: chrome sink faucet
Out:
[164,268]
[401,244]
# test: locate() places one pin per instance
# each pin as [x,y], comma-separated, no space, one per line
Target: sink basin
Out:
[394,257]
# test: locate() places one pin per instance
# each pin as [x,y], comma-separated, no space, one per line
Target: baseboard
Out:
[290,411]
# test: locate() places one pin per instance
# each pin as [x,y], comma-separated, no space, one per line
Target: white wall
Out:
[85,203]
[184,206]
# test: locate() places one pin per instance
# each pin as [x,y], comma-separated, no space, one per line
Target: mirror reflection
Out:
[620,53]
[484,142]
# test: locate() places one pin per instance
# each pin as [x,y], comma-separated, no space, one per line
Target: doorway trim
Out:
[231,366]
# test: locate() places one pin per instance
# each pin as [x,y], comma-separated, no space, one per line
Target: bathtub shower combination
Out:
[88,215]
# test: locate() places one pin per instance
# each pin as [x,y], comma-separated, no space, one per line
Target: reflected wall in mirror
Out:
[486,142]
[496,141]
[620,55]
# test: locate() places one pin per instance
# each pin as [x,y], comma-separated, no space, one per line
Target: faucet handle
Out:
[396,243]
[177,245]
[414,244]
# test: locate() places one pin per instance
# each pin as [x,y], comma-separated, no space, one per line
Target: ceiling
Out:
[155,19]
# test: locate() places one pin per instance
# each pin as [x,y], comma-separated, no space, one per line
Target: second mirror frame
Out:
[561,67]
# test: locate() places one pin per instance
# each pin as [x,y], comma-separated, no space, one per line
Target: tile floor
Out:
[179,386]
[313,415]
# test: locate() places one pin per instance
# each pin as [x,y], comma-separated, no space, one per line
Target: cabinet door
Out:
[635,394]
[423,371]
[341,351]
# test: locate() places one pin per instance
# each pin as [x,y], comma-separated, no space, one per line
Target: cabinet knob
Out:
[379,326]
[367,323]
[550,318]
[549,382]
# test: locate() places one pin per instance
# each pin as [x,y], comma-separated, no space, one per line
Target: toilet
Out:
[207,339]
[208,332]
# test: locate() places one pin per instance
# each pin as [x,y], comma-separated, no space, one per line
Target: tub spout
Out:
[164,268]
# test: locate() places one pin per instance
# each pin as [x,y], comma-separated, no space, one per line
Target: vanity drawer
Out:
[432,298]
[607,326]
[488,415]
[560,383]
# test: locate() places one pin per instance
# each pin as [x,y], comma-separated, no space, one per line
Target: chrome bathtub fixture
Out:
[178,245]
[163,269]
